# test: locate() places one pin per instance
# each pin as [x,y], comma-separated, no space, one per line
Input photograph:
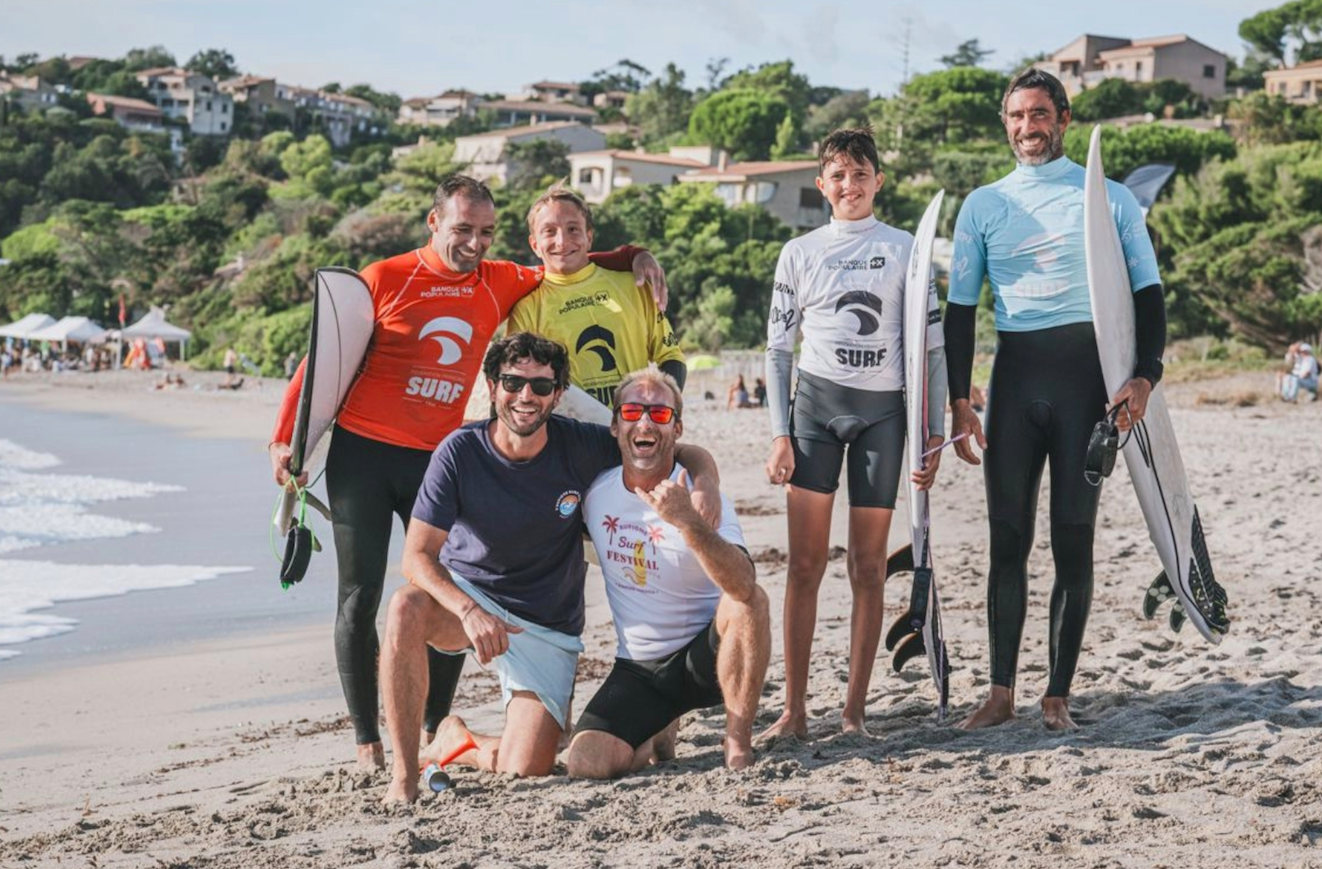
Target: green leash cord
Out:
[302,493]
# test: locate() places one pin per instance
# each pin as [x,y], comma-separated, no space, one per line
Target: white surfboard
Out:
[1151,453]
[919,630]
[342,321]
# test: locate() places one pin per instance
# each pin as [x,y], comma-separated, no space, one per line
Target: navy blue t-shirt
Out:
[516,529]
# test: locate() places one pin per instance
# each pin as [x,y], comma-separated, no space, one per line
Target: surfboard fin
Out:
[1178,617]
[1157,594]
[900,561]
[317,504]
[912,647]
[916,616]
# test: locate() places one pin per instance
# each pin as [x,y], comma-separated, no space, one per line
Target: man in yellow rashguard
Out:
[608,326]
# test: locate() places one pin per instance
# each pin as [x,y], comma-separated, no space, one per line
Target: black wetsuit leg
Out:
[369,483]
[1047,393]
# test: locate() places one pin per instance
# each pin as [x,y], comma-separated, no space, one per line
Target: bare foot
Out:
[998,708]
[738,755]
[851,723]
[451,736]
[1056,714]
[663,744]
[371,757]
[401,790]
[787,724]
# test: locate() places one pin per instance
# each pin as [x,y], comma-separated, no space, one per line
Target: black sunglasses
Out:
[542,386]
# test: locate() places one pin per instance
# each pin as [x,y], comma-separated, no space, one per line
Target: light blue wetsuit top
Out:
[1025,232]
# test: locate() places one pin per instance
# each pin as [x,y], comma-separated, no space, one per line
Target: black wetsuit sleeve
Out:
[676,369]
[1149,333]
[960,331]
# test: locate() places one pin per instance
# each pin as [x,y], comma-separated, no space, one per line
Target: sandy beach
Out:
[231,747]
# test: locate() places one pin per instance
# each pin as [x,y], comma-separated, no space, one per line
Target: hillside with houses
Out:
[215,191]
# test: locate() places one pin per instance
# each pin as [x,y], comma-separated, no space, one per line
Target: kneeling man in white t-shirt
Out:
[693,626]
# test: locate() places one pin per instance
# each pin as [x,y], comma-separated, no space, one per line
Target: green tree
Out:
[741,121]
[139,59]
[1292,28]
[1123,150]
[537,164]
[969,53]
[778,80]
[309,166]
[217,63]
[1110,98]
[848,109]
[787,138]
[662,108]
[386,102]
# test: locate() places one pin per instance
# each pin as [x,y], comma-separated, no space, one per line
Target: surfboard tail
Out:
[1202,593]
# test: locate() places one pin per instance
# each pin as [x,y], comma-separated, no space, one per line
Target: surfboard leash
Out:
[301,540]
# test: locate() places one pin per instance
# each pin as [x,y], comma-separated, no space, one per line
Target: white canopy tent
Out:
[79,330]
[154,325]
[24,327]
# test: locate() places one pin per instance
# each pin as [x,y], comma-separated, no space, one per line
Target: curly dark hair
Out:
[527,345]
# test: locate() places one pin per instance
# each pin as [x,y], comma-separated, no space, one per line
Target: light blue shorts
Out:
[539,660]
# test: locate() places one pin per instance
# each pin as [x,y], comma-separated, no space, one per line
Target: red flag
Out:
[123,314]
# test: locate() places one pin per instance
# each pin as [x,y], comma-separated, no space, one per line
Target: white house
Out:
[598,174]
[786,188]
[192,97]
[1089,60]
[487,154]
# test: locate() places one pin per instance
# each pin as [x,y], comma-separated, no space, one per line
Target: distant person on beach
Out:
[436,308]
[1302,373]
[230,363]
[693,627]
[842,288]
[609,327]
[737,397]
[291,365]
[6,362]
[1025,234]
[760,393]
[494,560]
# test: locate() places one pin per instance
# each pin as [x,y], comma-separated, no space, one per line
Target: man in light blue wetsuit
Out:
[1025,233]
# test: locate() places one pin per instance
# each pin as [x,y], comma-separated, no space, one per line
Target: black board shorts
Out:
[639,699]
[826,418]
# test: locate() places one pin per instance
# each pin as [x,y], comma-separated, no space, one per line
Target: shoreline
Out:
[234,750]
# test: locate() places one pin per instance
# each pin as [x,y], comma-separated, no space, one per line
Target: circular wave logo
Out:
[567,503]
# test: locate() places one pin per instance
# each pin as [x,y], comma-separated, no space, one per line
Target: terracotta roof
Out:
[161,71]
[555,85]
[244,81]
[1312,64]
[546,108]
[1157,41]
[642,157]
[124,103]
[737,171]
[509,132]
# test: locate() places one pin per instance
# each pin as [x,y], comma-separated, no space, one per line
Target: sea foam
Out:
[39,508]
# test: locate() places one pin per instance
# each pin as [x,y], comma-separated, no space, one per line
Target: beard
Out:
[505,412]
[1055,148]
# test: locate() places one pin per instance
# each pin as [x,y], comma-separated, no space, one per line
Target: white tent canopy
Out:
[79,330]
[26,326]
[154,326]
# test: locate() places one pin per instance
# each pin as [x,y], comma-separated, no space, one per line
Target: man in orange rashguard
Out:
[435,309]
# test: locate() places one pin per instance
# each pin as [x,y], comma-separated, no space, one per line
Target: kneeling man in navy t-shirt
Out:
[494,560]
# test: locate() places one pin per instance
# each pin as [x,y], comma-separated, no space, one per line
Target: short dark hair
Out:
[527,345]
[856,142]
[1035,78]
[460,185]
[558,192]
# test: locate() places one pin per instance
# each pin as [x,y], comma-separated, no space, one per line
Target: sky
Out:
[416,48]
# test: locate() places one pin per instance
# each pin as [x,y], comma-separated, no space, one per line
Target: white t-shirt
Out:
[660,597]
[843,286]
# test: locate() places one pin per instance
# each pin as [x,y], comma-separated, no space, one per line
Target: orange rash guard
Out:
[432,326]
